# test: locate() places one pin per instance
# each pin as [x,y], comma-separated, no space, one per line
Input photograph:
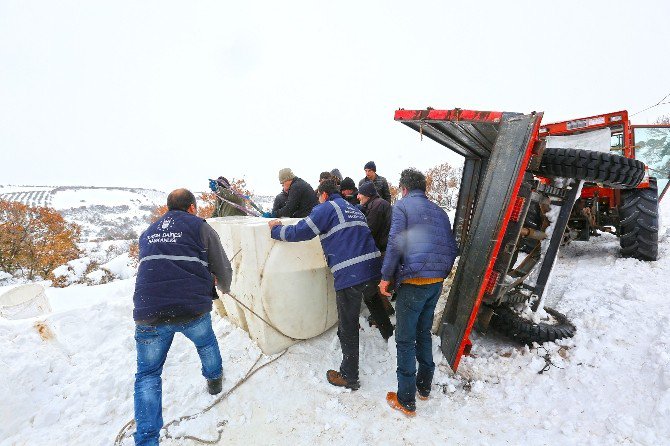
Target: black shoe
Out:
[214,385]
[424,394]
[335,378]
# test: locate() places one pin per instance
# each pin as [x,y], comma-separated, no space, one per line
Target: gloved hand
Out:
[267,215]
[212,185]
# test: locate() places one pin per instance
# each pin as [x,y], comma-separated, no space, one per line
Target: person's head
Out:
[326,189]
[411,179]
[347,186]
[323,176]
[366,192]
[182,200]
[337,175]
[286,178]
[224,181]
[370,170]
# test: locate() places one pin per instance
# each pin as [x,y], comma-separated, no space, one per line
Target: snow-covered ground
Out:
[67,378]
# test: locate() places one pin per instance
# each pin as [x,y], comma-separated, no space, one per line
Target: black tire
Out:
[638,222]
[598,167]
[511,324]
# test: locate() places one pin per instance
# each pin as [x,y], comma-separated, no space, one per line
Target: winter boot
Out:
[335,378]
[424,394]
[214,385]
[392,400]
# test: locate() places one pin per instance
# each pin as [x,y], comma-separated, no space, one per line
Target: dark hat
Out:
[336,173]
[370,165]
[368,189]
[347,184]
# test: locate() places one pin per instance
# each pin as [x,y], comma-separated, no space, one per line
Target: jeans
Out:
[414,309]
[153,343]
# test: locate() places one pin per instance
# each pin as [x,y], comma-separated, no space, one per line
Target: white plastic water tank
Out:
[24,301]
[287,284]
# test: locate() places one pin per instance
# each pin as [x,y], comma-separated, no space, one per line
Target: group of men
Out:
[295,201]
[372,249]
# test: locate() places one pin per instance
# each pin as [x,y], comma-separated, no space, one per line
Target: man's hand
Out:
[383,287]
[273,223]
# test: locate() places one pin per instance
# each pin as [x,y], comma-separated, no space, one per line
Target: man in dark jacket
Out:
[420,253]
[354,260]
[348,191]
[301,197]
[380,182]
[377,212]
[280,200]
[180,257]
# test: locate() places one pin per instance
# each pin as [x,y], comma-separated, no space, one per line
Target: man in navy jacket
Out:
[420,253]
[180,254]
[355,262]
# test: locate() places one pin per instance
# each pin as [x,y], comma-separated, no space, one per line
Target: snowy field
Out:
[67,378]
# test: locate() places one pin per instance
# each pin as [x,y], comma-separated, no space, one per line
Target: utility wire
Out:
[655,105]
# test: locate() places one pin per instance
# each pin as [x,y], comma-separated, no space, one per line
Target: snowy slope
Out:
[104,213]
[608,385]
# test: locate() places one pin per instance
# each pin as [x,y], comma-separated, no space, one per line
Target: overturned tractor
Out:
[526,189]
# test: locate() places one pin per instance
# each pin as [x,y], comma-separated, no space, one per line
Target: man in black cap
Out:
[349,191]
[377,212]
[380,182]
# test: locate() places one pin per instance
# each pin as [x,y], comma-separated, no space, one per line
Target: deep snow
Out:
[610,384]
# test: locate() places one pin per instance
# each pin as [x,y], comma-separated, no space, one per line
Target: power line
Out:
[655,105]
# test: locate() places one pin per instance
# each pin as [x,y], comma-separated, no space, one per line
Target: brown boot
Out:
[335,378]
[392,400]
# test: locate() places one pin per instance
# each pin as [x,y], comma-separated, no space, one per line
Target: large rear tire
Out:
[511,324]
[638,222]
[598,167]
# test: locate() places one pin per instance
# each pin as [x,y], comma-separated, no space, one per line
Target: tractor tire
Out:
[508,322]
[638,222]
[597,167]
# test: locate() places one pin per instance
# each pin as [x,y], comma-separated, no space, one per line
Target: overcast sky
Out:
[166,94]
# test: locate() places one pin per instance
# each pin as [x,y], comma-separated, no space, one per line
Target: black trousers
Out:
[348,311]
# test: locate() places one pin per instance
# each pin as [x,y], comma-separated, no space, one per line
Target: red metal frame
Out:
[447,115]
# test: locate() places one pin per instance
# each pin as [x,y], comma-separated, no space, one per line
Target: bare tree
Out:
[442,184]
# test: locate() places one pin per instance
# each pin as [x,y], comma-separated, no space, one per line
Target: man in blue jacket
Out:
[420,253]
[180,254]
[355,262]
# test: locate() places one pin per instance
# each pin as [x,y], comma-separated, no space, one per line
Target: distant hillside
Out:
[104,213]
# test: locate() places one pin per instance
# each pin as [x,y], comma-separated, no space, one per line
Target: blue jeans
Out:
[153,343]
[414,310]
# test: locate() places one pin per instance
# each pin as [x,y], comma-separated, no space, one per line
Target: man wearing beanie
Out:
[377,212]
[349,191]
[301,197]
[380,182]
